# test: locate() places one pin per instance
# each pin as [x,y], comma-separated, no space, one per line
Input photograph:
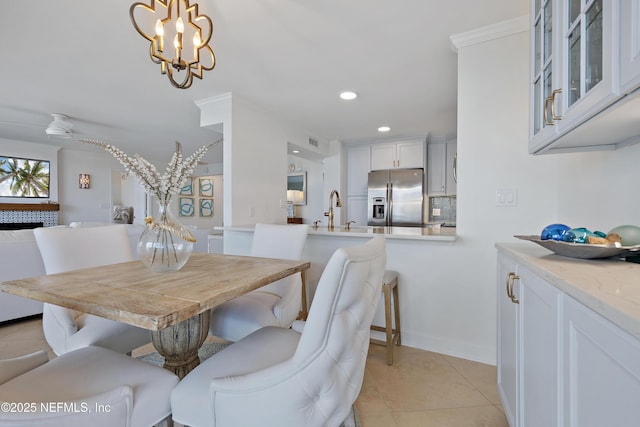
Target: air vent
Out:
[313,142]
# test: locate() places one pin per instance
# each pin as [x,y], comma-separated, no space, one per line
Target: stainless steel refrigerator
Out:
[396,197]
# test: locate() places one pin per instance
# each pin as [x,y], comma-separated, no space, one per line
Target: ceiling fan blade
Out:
[2,122]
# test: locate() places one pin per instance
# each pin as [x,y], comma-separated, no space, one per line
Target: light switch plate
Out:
[506,197]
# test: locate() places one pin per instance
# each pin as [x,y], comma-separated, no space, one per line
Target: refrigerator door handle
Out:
[390,204]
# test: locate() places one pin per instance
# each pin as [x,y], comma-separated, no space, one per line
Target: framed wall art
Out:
[206,207]
[206,187]
[187,189]
[186,206]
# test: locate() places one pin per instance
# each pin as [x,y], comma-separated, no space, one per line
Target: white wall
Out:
[93,204]
[255,159]
[493,114]
[599,190]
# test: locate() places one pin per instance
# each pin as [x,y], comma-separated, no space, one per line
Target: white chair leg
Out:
[350,421]
[167,422]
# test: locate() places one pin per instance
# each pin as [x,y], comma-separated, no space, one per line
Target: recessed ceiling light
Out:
[384,129]
[348,95]
[295,151]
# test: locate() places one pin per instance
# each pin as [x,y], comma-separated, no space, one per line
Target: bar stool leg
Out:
[389,290]
[396,312]
[388,326]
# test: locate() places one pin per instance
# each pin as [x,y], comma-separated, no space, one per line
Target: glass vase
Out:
[165,244]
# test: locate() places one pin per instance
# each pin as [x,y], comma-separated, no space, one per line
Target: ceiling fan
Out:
[58,128]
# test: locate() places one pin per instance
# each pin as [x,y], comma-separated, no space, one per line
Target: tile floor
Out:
[420,389]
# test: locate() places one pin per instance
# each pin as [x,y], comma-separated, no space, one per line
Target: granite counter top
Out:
[445,234]
[609,286]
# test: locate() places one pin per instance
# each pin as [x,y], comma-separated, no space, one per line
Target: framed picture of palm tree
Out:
[21,177]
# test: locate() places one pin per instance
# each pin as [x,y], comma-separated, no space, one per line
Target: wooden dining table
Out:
[174,306]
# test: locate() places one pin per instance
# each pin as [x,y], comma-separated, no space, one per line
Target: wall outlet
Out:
[435,212]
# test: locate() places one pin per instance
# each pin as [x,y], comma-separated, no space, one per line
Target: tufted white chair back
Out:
[335,339]
[280,241]
[279,377]
[67,249]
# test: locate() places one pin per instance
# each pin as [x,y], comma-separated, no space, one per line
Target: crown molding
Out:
[490,32]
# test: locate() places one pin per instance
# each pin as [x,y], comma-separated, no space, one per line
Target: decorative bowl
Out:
[581,250]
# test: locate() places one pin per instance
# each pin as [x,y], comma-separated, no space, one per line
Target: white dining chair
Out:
[276,304]
[66,249]
[91,386]
[309,375]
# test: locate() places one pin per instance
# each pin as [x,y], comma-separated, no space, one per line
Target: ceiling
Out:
[291,57]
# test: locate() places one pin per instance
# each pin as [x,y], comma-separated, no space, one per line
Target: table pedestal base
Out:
[179,344]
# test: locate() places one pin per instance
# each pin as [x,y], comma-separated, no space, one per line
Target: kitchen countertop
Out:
[445,234]
[609,286]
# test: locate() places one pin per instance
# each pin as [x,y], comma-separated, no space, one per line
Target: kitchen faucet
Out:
[338,205]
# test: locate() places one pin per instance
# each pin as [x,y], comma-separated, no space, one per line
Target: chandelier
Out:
[180,22]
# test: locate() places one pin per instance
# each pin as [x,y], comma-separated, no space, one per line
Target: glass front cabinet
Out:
[573,65]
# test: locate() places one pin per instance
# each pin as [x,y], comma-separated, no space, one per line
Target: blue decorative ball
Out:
[554,232]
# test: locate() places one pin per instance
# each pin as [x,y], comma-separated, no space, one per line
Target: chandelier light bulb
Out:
[160,35]
[196,40]
[159,28]
[180,26]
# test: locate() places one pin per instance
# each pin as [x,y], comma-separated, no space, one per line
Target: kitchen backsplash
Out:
[442,209]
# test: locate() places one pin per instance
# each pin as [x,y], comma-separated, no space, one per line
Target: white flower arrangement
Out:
[162,186]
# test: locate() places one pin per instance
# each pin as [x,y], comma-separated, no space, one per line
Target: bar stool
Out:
[389,285]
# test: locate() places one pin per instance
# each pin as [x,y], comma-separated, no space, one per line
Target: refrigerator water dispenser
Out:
[378,208]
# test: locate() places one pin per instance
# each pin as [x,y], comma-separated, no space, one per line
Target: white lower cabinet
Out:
[527,346]
[560,363]
[601,370]
[539,304]
[508,336]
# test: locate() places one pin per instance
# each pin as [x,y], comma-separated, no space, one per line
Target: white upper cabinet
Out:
[358,168]
[398,155]
[585,72]
[436,171]
[442,159]
[629,45]
[544,71]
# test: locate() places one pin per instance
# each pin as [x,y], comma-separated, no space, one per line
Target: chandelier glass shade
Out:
[179,38]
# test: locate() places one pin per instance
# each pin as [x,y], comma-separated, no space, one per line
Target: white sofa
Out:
[20,258]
